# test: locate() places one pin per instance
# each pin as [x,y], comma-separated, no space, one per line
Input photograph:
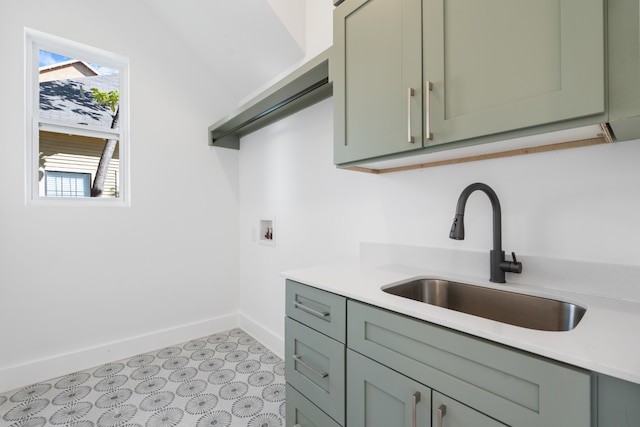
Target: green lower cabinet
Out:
[398,371]
[447,412]
[618,402]
[302,413]
[380,397]
[514,387]
[314,365]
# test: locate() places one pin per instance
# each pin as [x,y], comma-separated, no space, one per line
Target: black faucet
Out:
[498,263]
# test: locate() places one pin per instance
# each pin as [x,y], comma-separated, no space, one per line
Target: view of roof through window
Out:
[49,59]
[66,90]
[76,96]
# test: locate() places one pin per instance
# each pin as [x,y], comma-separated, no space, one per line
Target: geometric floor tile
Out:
[226,379]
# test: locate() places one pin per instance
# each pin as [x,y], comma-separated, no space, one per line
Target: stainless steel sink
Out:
[503,306]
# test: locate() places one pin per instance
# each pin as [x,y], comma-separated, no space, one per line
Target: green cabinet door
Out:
[624,68]
[380,397]
[618,402]
[446,412]
[499,65]
[377,78]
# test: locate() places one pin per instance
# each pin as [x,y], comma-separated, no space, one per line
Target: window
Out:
[77,123]
[67,184]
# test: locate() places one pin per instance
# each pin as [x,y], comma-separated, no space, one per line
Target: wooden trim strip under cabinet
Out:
[603,138]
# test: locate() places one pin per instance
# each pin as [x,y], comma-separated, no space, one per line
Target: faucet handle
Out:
[511,266]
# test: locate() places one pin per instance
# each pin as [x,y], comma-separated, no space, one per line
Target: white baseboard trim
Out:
[271,340]
[32,372]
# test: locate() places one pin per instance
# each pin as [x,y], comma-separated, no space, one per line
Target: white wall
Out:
[576,204]
[292,15]
[319,26]
[83,281]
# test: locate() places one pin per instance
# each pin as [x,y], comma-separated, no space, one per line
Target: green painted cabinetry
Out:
[372,367]
[315,367]
[323,311]
[378,78]
[618,402]
[447,412]
[415,74]
[302,413]
[512,387]
[498,66]
[624,68]
[315,332]
[381,397]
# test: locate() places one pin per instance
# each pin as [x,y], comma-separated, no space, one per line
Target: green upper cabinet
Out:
[501,65]
[624,68]
[378,78]
[414,74]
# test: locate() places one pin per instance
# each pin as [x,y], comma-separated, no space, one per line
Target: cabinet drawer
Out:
[302,413]
[455,414]
[314,365]
[320,310]
[517,388]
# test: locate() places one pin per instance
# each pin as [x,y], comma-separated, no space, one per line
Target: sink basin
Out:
[503,306]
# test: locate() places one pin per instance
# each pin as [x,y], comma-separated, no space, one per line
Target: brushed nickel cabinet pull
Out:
[318,374]
[410,93]
[320,314]
[427,109]
[442,411]
[414,408]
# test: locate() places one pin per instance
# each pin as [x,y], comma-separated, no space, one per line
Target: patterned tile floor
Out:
[226,379]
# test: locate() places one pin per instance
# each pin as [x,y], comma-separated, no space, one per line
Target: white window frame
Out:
[34,42]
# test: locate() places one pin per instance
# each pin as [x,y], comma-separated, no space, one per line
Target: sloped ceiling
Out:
[243,42]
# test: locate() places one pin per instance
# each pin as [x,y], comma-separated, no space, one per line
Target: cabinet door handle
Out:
[414,408]
[427,109]
[410,93]
[442,411]
[318,374]
[320,314]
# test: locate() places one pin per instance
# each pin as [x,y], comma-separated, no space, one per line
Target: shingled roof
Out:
[71,100]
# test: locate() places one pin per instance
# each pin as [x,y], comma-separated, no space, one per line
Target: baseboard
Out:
[44,369]
[271,340]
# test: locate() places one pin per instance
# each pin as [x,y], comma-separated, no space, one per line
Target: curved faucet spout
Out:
[457,228]
[498,264]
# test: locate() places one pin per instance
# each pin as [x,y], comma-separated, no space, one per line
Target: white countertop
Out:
[607,339]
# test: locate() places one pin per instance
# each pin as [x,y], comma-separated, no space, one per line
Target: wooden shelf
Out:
[302,88]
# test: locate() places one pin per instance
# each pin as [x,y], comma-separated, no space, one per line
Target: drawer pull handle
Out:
[442,411]
[427,109]
[320,314]
[410,93]
[414,408]
[318,374]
